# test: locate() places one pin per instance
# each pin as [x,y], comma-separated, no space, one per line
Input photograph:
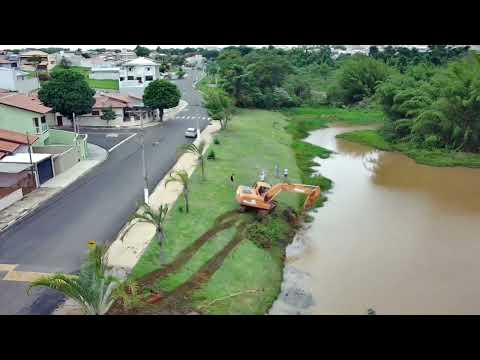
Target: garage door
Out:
[45,170]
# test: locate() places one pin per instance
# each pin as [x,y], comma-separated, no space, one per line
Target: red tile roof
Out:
[30,103]
[12,140]
[102,102]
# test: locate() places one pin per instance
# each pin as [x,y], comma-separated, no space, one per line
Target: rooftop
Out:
[29,103]
[34,53]
[10,141]
[141,61]
[24,158]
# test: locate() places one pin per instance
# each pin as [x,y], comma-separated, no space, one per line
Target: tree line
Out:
[431,98]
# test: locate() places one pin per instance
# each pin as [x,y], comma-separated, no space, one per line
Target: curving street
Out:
[96,206]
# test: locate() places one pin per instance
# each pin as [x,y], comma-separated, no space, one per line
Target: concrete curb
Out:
[31,210]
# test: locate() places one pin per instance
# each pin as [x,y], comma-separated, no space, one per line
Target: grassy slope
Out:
[422,156]
[95,84]
[255,140]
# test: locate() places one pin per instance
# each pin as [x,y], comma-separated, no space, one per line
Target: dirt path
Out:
[221,223]
[176,301]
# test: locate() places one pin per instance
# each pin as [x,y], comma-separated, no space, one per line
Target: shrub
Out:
[211,155]
[216,141]
[180,209]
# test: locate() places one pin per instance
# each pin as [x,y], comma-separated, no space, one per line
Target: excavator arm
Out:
[312,192]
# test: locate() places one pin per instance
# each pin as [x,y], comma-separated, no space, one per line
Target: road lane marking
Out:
[7,267]
[121,142]
[23,276]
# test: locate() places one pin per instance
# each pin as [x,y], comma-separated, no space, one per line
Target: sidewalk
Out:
[123,255]
[46,191]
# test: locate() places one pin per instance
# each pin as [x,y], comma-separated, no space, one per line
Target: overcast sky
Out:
[85,47]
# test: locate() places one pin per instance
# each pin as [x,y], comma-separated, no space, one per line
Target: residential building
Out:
[12,79]
[24,114]
[9,64]
[27,115]
[128,108]
[135,75]
[195,61]
[47,61]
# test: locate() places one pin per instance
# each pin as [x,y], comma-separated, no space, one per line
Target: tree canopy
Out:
[67,92]
[161,94]
[141,51]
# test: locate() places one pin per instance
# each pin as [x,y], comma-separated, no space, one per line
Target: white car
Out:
[191,133]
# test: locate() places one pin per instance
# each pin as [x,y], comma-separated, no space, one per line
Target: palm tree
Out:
[92,289]
[197,150]
[156,218]
[181,177]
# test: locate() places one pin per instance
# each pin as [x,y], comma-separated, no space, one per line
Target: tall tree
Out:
[161,94]
[67,92]
[141,51]
[219,105]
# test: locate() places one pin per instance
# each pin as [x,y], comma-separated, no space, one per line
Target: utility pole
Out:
[144,166]
[31,162]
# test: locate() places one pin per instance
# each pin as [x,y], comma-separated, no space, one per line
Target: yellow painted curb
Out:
[23,276]
[7,267]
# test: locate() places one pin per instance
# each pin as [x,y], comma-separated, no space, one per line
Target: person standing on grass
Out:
[262,175]
[232,180]
[285,174]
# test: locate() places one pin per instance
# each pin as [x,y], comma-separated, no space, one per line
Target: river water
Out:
[394,236]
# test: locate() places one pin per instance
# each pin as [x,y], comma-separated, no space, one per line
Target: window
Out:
[43,120]
[44,124]
[148,69]
[95,112]
[36,124]
[122,78]
[130,78]
[130,69]
[139,79]
[148,78]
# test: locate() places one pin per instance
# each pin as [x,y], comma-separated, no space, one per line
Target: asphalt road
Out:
[95,207]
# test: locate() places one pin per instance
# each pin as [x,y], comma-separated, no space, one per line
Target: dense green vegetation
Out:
[431,98]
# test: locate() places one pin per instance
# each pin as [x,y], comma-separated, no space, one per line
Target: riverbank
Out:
[219,261]
[303,120]
[442,158]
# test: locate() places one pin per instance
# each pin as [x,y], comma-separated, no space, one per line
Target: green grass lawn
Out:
[255,140]
[95,84]
[368,137]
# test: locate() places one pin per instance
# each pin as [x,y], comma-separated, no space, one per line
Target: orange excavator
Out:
[261,196]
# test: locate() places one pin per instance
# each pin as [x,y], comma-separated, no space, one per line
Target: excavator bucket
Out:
[312,199]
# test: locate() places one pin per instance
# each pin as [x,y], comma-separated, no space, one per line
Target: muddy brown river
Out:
[394,236]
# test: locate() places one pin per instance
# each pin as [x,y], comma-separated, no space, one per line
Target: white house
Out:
[13,79]
[135,75]
[196,60]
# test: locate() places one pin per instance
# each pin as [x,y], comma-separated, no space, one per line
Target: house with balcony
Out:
[28,61]
[24,114]
[135,75]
